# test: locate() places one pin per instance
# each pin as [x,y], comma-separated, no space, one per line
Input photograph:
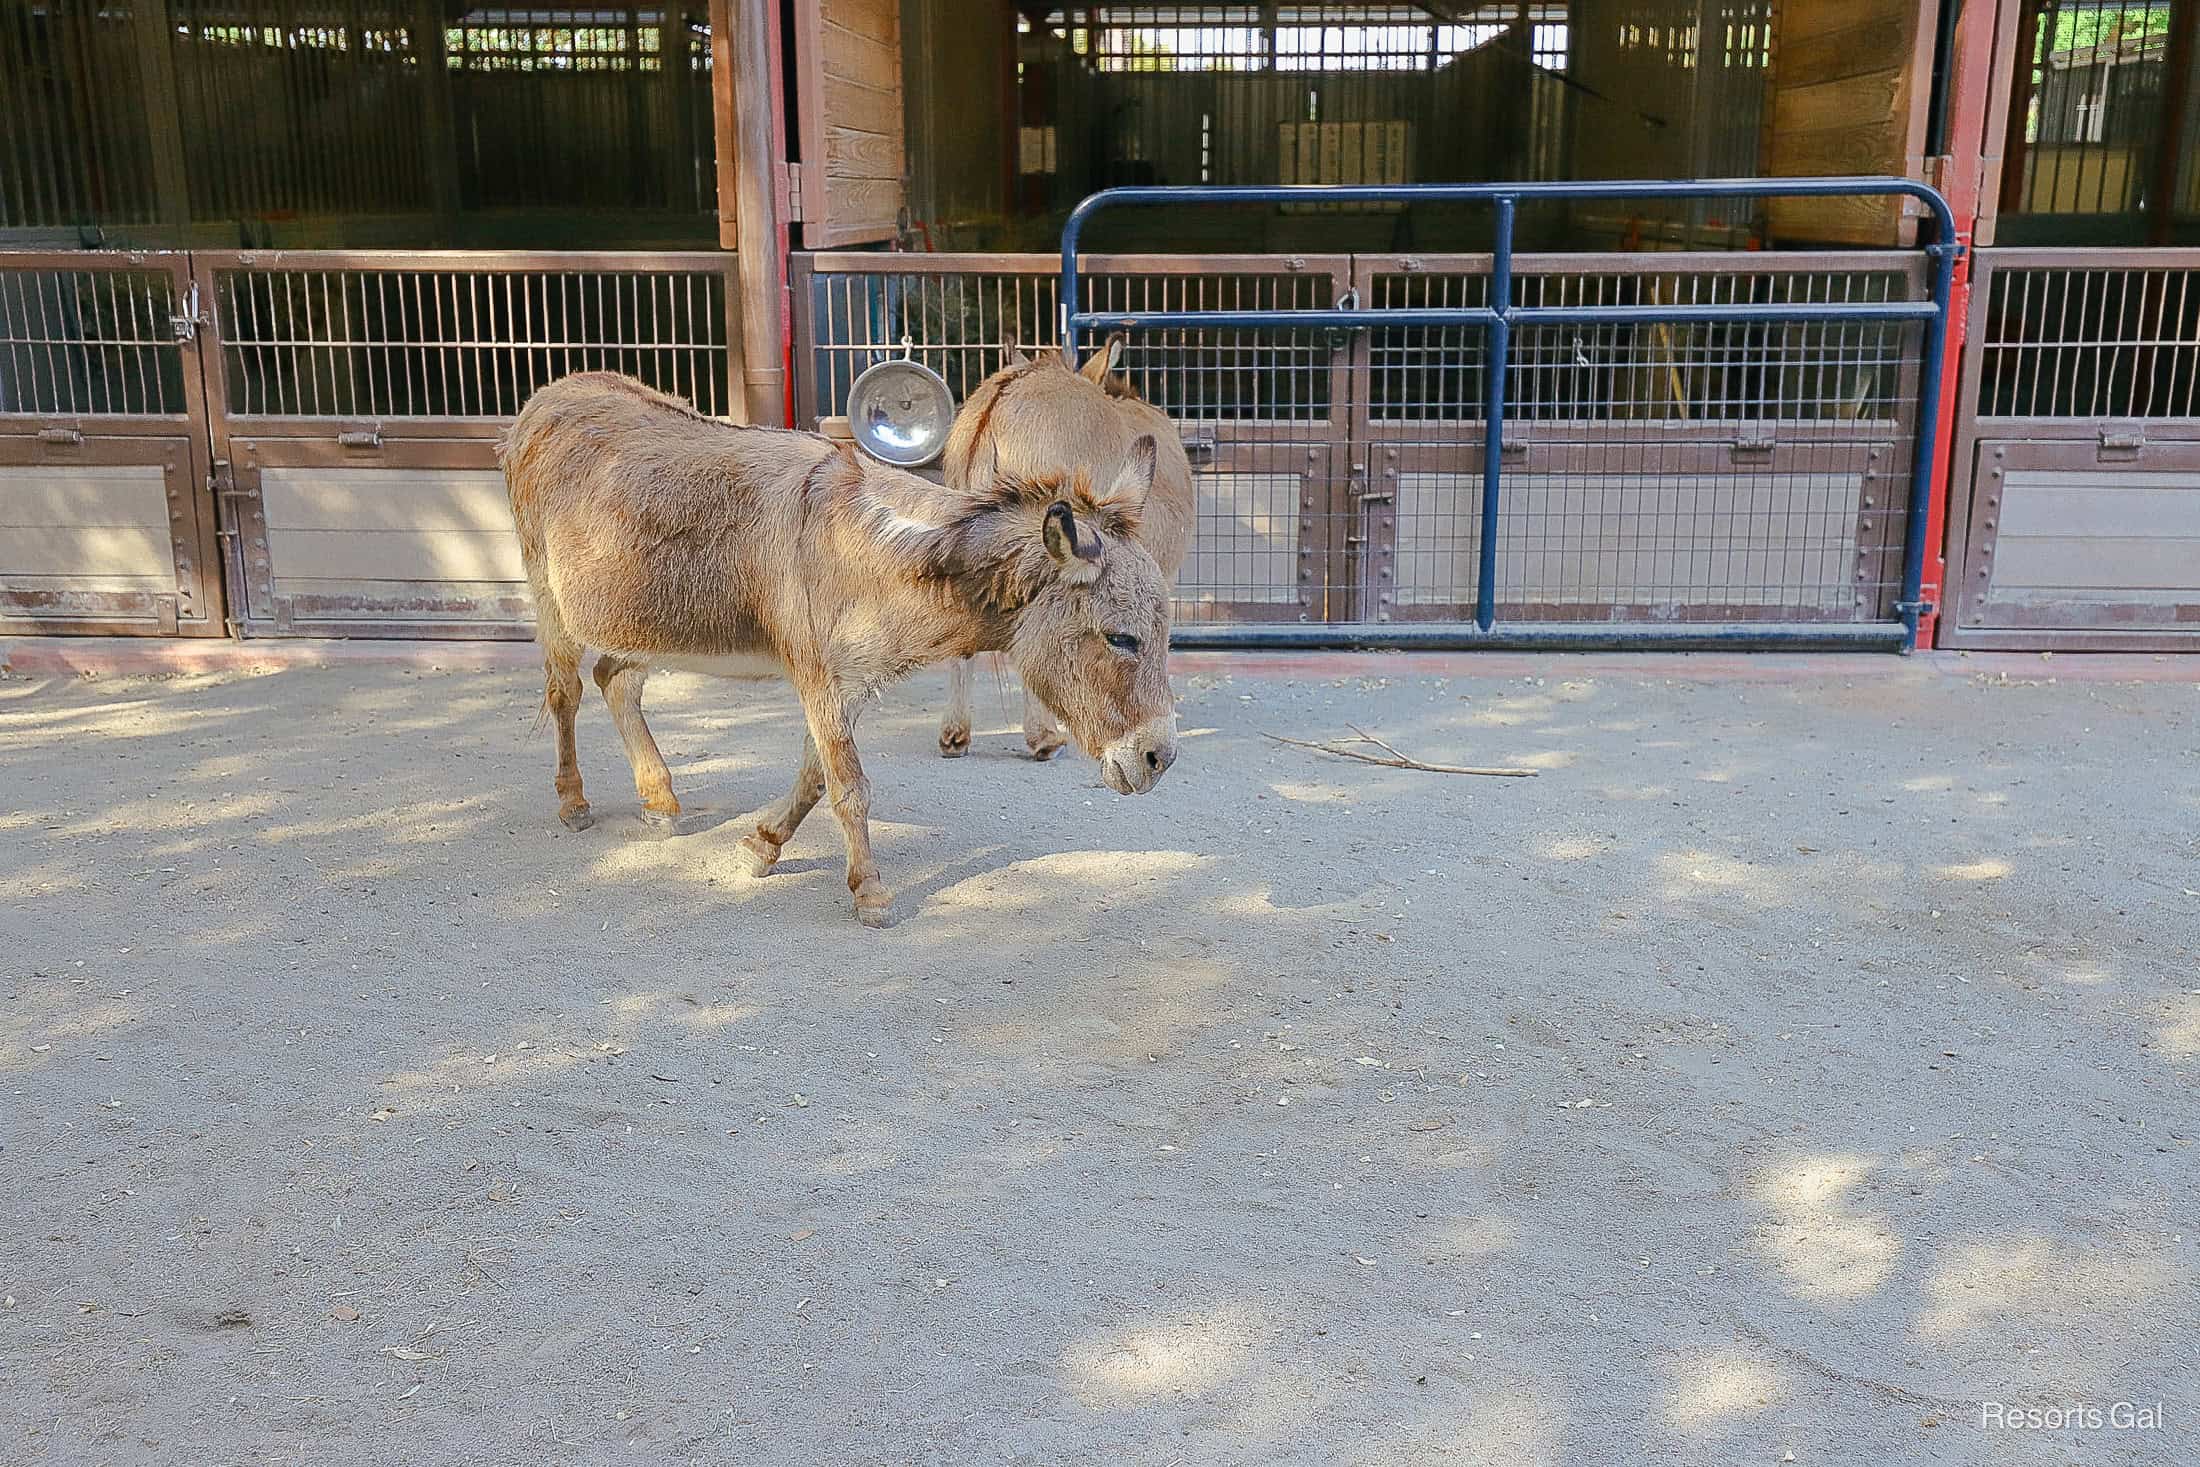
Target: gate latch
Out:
[1200,447]
[186,322]
[1339,337]
[360,438]
[1753,445]
[2120,441]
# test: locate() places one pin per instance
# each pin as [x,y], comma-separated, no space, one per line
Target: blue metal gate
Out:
[1820,370]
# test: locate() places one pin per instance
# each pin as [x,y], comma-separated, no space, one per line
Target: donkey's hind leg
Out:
[561,696]
[955,726]
[758,851]
[621,682]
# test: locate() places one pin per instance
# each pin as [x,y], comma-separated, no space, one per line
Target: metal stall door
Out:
[1265,416]
[107,522]
[356,400]
[1653,472]
[2074,522]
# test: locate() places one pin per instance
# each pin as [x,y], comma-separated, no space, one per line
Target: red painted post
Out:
[1962,167]
[1943,447]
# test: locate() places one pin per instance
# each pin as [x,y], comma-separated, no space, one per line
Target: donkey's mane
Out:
[986,539]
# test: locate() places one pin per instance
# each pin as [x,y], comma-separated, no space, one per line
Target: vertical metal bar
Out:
[1499,339]
[1926,451]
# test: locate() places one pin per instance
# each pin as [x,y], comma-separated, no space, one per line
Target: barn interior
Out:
[438,123]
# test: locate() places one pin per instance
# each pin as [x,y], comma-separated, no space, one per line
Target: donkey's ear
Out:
[1134,481]
[1106,360]
[1075,548]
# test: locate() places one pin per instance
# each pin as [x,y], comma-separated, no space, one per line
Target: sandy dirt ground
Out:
[1801,1067]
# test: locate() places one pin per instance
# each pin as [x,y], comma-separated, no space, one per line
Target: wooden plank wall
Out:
[1850,86]
[848,57]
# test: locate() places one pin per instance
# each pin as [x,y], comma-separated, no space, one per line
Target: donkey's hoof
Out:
[954,742]
[755,855]
[1044,746]
[660,824]
[874,909]
[580,817]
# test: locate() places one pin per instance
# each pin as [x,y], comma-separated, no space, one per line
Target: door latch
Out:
[2120,442]
[186,322]
[1337,338]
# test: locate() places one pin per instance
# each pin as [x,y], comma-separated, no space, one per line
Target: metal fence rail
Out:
[1822,407]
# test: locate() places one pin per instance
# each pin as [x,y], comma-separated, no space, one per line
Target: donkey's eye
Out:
[1123,642]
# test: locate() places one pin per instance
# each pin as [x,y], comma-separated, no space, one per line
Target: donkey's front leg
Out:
[832,726]
[955,726]
[1042,735]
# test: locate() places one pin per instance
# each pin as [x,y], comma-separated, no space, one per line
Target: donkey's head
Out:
[1089,610]
[1038,416]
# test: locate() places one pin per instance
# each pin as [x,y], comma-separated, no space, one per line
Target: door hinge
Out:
[1200,447]
[788,180]
[1753,445]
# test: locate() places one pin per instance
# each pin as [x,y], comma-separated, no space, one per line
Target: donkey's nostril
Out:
[1153,760]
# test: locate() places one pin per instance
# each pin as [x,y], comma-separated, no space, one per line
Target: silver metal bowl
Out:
[900,411]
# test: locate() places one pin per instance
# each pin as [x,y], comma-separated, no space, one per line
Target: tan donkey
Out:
[1039,418]
[657,537]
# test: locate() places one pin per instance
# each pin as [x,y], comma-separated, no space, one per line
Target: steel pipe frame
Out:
[1498,320]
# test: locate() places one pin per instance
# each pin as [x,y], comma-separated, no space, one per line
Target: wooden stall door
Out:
[848,102]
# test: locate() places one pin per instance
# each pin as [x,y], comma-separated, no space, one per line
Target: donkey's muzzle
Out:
[1135,763]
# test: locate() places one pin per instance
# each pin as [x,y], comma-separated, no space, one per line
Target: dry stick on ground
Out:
[1399,760]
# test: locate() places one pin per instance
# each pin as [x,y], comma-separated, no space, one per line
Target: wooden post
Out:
[439,142]
[2020,106]
[723,145]
[748,169]
[2169,143]
[163,113]
[675,148]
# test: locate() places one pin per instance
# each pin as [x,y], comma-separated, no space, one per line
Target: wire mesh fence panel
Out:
[1653,470]
[362,340]
[89,342]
